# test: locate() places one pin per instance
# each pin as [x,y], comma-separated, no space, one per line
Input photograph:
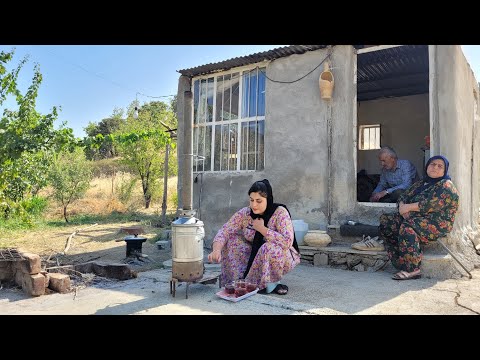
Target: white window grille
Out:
[229,121]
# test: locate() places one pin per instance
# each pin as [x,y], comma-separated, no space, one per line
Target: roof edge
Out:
[250,59]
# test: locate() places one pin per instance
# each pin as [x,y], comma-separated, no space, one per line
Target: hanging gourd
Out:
[326,82]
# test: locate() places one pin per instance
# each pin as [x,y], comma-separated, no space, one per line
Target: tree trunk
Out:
[65,213]
[165,183]
[113,181]
[146,195]
[148,198]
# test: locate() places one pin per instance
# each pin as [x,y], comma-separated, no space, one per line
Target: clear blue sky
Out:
[89,81]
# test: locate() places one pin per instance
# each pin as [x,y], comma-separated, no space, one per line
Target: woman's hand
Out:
[404,210]
[215,256]
[258,224]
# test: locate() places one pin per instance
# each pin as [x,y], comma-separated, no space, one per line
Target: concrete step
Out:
[340,255]
[439,266]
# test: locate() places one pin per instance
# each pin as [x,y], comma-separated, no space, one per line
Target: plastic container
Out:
[301,228]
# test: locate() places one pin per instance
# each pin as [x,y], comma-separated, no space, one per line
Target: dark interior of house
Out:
[383,77]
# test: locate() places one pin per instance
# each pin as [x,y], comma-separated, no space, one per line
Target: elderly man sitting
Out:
[397,175]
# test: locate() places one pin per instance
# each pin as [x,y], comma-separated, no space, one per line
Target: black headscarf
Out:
[258,240]
[427,180]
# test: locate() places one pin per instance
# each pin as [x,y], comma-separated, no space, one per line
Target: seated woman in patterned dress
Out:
[258,242]
[426,211]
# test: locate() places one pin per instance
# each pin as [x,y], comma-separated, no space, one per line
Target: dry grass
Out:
[102,199]
[96,243]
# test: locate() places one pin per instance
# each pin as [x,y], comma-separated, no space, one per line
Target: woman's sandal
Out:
[281,289]
[403,275]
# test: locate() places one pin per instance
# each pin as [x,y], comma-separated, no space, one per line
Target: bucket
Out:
[301,228]
[187,240]
[326,82]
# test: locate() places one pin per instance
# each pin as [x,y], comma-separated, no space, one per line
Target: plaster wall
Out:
[404,123]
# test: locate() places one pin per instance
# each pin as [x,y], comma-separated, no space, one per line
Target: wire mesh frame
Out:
[10,254]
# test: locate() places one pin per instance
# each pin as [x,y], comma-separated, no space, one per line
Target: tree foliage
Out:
[70,176]
[141,143]
[27,138]
[105,128]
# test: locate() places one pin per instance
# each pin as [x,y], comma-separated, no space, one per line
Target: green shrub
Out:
[35,205]
[125,189]
[22,215]
[173,199]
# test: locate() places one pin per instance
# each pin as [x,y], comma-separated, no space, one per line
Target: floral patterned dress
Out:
[438,205]
[274,259]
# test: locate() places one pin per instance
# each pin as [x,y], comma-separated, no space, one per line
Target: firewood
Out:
[67,244]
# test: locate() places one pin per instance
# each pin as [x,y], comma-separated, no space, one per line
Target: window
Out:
[229,121]
[369,137]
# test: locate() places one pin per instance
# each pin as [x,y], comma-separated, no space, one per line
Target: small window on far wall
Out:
[369,137]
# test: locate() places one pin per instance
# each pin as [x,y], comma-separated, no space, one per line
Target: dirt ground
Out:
[103,242]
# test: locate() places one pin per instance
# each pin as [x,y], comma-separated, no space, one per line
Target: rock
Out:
[115,271]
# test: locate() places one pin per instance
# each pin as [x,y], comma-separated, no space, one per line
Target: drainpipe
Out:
[329,157]
[433,97]
[329,149]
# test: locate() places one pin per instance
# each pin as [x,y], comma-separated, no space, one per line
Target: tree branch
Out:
[67,244]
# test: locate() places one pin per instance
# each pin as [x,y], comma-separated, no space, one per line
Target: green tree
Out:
[70,176]
[141,144]
[105,127]
[27,175]
[27,138]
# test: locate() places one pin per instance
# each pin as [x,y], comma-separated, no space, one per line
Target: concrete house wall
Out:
[296,143]
[311,143]
[454,105]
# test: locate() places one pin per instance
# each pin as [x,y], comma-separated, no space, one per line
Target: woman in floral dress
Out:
[258,242]
[426,211]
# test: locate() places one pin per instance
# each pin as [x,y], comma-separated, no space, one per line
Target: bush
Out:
[22,215]
[125,189]
[173,199]
[35,205]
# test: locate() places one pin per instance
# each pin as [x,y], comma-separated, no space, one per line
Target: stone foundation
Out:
[343,257]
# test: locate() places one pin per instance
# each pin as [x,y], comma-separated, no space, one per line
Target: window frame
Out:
[361,136]
[197,160]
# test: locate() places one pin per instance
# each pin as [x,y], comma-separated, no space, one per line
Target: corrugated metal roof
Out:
[392,72]
[250,59]
[397,71]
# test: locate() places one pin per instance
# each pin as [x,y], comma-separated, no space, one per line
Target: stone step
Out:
[432,247]
[338,255]
[342,256]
